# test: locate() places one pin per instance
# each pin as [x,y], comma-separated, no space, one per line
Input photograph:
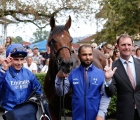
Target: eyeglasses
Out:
[19,49]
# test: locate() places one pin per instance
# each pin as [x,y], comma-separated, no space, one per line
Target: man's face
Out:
[86,56]
[125,47]
[29,60]
[108,50]
[17,62]
[35,51]
[1,50]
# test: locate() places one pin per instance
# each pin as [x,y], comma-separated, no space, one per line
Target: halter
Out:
[58,30]
[56,53]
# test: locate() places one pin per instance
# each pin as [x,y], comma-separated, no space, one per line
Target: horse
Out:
[62,57]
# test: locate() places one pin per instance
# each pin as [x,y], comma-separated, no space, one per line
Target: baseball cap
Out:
[35,47]
[16,49]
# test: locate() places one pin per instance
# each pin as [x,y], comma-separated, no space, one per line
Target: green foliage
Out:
[17,39]
[112,106]
[122,16]
[41,78]
[40,35]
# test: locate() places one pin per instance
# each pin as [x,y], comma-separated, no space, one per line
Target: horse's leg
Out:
[54,114]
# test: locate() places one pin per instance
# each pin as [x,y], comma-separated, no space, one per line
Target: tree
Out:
[38,12]
[40,35]
[122,16]
[17,39]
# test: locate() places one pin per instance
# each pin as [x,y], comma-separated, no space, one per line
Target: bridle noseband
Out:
[56,53]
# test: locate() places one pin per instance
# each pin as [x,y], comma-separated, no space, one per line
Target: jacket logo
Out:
[20,84]
[75,83]
[94,82]
[75,79]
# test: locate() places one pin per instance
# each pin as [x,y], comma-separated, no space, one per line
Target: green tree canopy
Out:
[17,39]
[39,12]
[122,16]
[40,35]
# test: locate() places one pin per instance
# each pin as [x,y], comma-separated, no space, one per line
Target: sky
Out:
[26,30]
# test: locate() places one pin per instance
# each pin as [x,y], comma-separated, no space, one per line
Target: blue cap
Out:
[16,49]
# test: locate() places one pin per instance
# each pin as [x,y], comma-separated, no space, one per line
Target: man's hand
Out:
[108,70]
[61,74]
[7,62]
[99,118]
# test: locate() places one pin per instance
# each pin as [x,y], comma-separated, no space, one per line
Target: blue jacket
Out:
[16,87]
[85,103]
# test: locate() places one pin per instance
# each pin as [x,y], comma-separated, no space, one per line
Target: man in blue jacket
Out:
[89,100]
[16,82]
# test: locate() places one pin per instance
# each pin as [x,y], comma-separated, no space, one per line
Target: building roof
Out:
[26,43]
[87,40]
[76,46]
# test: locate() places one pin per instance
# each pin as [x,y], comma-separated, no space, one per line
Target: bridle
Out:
[56,53]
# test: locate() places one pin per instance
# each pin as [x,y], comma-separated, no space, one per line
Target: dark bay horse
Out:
[62,57]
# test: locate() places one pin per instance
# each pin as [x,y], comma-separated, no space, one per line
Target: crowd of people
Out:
[91,87]
[35,61]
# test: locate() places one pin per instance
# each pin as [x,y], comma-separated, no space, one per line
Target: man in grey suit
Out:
[128,96]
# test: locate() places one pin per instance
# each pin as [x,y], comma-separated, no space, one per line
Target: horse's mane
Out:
[56,31]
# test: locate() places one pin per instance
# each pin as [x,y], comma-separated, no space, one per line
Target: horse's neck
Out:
[52,68]
[75,59]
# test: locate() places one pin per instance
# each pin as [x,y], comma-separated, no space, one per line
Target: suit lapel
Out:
[122,72]
[137,69]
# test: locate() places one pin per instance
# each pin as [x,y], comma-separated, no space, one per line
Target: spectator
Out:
[30,52]
[8,42]
[46,54]
[16,82]
[45,67]
[37,58]
[89,101]
[116,54]
[1,60]
[94,45]
[136,46]
[133,52]
[109,49]
[138,53]
[108,58]
[2,51]
[30,65]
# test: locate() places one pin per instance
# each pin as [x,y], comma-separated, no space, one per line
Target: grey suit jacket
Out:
[127,97]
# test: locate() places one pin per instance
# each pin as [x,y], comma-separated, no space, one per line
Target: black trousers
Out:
[136,116]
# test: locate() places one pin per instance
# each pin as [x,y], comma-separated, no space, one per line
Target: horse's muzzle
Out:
[66,66]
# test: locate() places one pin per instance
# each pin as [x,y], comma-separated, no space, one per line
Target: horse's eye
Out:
[54,41]
[71,40]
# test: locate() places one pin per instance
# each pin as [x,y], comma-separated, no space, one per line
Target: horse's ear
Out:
[68,24]
[52,22]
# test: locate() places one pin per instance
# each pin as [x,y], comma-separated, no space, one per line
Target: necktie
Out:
[130,75]
[86,77]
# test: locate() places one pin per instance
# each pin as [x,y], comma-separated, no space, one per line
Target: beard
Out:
[86,64]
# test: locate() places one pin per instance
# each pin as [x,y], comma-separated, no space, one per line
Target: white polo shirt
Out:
[33,66]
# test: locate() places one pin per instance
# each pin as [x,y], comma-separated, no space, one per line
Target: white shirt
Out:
[132,66]
[33,66]
[45,69]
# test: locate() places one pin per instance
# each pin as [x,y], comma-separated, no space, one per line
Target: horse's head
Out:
[60,43]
